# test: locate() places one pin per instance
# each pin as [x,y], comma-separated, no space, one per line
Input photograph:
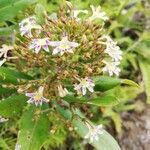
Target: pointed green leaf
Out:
[129,82]
[104,100]
[104,83]
[145,68]
[12,106]
[33,129]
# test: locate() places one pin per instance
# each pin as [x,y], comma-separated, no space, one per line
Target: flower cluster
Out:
[114,52]
[74,51]
[63,54]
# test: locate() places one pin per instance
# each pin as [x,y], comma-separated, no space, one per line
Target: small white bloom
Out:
[97,14]
[63,46]
[111,68]
[112,49]
[75,14]
[37,44]
[3,119]
[37,97]
[18,147]
[27,25]
[84,84]
[62,92]
[94,133]
[4,52]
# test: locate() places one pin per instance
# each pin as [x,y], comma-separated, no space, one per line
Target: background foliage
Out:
[129,25]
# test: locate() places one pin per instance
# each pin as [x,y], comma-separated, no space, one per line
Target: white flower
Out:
[27,25]
[37,44]
[37,97]
[84,84]
[4,52]
[94,133]
[75,14]
[3,119]
[18,147]
[63,46]
[111,68]
[62,92]
[97,14]
[112,49]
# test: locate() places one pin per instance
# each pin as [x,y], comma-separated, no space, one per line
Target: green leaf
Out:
[4,3]
[104,83]
[7,30]
[6,77]
[105,142]
[129,82]
[6,90]
[12,106]
[10,10]
[65,113]
[11,76]
[115,116]
[33,129]
[3,144]
[104,100]
[145,69]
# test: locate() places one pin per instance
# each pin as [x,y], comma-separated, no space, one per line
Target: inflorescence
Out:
[64,48]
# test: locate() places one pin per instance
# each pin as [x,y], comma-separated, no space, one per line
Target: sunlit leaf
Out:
[129,82]
[11,9]
[33,129]
[12,106]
